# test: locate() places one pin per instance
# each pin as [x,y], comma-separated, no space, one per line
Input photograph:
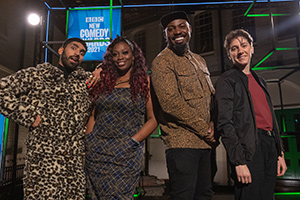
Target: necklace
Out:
[120,82]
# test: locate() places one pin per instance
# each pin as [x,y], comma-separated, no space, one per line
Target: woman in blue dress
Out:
[122,118]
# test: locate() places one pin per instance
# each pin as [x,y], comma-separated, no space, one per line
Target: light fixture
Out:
[34,19]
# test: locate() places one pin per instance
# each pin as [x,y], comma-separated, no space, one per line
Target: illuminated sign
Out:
[94,24]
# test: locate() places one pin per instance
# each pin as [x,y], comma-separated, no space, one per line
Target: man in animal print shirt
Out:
[183,88]
[52,101]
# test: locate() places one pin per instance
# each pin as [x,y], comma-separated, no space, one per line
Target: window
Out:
[246,23]
[204,32]
[140,40]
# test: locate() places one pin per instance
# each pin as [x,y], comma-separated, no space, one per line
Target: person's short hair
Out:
[68,41]
[166,19]
[234,34]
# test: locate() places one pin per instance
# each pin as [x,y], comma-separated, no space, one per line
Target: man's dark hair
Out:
[234,34]
[68,41]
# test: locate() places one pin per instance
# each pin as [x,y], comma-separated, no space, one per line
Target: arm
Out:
[225,107]
[14,102]
[281,165]
[150,124]
[171,101]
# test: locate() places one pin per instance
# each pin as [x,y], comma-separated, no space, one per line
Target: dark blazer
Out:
[236,118]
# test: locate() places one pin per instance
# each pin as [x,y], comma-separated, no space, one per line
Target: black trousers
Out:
[189,173]
[263,169]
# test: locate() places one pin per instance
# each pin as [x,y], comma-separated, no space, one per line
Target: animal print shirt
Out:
[183,88]
[53,165]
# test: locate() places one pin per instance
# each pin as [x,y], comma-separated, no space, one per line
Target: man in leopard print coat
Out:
[53,102]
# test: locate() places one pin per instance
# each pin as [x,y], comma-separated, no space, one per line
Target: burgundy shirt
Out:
[261,108]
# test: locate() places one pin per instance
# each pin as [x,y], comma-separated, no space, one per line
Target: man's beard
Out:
[69,66]
[179,49]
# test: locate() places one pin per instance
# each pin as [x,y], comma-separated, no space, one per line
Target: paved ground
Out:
[154,189]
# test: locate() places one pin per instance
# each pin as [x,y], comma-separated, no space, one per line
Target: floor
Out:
[154,189]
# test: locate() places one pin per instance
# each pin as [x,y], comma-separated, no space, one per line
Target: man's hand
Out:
[281,165]
[37,121]
[94,78]
[210,138]
[243,174]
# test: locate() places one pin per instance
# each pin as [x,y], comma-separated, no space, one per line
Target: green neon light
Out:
[138,194]
[67,22]
[159,133]
[267,15]
[5,135]
[287,49]
[267,68]
[94,8]
[288,194]
[283,124]
[110,24]
[265,58]
[287,136]
[246,13]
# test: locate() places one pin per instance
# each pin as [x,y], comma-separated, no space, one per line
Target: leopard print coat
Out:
[53,165]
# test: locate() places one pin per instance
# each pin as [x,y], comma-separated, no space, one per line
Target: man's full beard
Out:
[69,66]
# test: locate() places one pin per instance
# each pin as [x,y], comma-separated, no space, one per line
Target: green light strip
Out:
[287,49]
[288,194]
[138,194]
[265,58]
[5,135]
[283,124]
[110,25]
[267,15]
[67,22]
[268,68]
[246,13]
[159,133]
[94,8]
[287,136]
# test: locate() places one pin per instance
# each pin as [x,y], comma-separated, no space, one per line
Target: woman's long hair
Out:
[138,76]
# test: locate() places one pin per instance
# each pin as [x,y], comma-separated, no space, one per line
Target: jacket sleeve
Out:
[14,102]
[165,86]
[225,106]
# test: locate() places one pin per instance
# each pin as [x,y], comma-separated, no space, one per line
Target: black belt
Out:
[269,133]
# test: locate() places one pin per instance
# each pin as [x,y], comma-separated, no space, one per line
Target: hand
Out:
[281,165]
[94,78]
[37,121]
[210,138]
[243,174]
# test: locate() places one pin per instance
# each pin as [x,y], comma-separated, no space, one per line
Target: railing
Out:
[8,173]
[9,188]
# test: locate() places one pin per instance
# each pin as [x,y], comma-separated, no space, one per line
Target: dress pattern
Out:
[113,159]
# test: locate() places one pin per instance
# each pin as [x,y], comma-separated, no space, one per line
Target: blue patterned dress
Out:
[113,159]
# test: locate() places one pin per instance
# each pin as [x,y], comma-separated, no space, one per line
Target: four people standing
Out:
[247,123]
[183,89]
[53,102]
